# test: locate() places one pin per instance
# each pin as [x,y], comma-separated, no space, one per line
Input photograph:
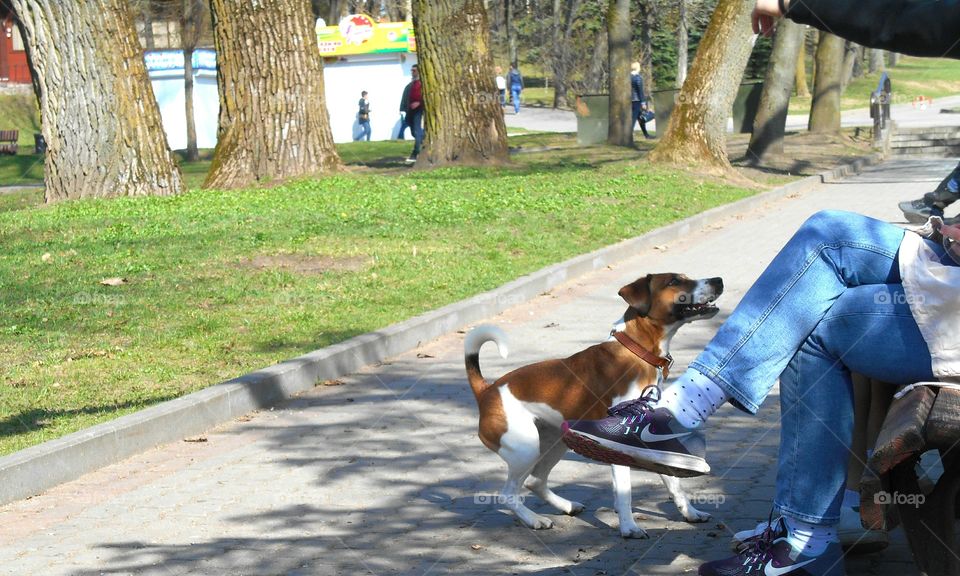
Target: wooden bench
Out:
[926,418]
[8,141]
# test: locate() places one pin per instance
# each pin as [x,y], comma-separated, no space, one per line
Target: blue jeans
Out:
[829,303]
[365,130]
[515,98]
[415,122]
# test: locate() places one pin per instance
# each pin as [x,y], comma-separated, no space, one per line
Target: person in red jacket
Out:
[411,104]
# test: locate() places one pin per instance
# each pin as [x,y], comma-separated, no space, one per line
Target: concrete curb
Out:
[33,470]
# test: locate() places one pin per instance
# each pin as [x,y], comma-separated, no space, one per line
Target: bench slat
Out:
[943,423]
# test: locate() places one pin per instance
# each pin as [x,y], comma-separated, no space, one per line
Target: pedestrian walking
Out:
[363,116]
[638,100]
[515,80]
[411,104]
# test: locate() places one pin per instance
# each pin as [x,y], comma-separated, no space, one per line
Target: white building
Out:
[359,54]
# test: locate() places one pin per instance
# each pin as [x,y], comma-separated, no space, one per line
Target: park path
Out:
[383,473]
[906,115]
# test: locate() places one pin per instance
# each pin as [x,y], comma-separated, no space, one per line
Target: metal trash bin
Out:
[39,144]
[593,118]
[746,105]
[663,103]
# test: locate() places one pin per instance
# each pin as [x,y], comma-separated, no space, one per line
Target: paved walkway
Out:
[384,474]
[906,115]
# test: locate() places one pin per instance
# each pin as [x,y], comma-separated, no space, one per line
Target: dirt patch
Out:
[804,154]
[303,264]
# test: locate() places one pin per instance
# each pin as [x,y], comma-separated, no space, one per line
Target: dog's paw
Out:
[696,516]
[540,523]
[633,532]
[575,508]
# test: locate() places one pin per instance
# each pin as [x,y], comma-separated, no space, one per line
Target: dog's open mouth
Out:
[699,310]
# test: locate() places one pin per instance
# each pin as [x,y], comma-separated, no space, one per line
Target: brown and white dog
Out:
[521,413]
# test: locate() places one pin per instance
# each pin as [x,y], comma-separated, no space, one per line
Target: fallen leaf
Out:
[46,257]
[476,547]
[423,355]
[551,325]
[660,247]
[332,383]
[196,439]
[113,281]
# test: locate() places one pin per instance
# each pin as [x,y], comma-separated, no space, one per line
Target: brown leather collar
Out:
[664,363]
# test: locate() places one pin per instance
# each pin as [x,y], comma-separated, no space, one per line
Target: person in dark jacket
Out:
[411,104]
[363,116]
[638,99]
[816,429]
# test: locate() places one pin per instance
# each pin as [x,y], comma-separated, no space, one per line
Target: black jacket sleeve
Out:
[915,27]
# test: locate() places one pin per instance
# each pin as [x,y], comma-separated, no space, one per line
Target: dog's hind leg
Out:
[552,450]
[690,514]
[520,449]
[623,503]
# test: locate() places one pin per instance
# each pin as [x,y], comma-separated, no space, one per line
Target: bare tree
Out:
[682,42]
[801,71]
[462,115]
[273,121]
[100,117]
[697,129]
[827,85]
[620,127]
[770,123]
[193,20]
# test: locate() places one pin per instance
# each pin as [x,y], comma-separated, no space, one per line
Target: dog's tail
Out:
[471,353]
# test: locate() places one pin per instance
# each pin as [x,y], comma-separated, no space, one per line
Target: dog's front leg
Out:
[690,514]
[623,503]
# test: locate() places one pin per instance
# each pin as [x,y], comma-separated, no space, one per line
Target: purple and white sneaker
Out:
[770,554]
[640,435]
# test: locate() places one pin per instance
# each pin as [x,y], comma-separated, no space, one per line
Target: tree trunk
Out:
[648,22]
[683,35]
[273,122]
[463,120]
[825,109]
[559,57]
[771,120]
[100,117]
[876,60]
[511,16]
[597,77]
[852,55]
[697,129]
[191,23]
[801,71]
[620,126]
[893,58]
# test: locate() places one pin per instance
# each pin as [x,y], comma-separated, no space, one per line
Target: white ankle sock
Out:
[851,498]
[811,539]
[693,398]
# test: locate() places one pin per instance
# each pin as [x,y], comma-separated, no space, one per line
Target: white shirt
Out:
[501,82]
[933,294]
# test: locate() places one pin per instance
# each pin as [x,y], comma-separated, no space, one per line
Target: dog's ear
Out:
[637,294]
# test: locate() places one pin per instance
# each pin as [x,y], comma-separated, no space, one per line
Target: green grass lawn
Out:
[912,77]
[221,283]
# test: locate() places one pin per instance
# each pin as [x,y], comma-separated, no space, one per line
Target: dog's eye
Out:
[673,282]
